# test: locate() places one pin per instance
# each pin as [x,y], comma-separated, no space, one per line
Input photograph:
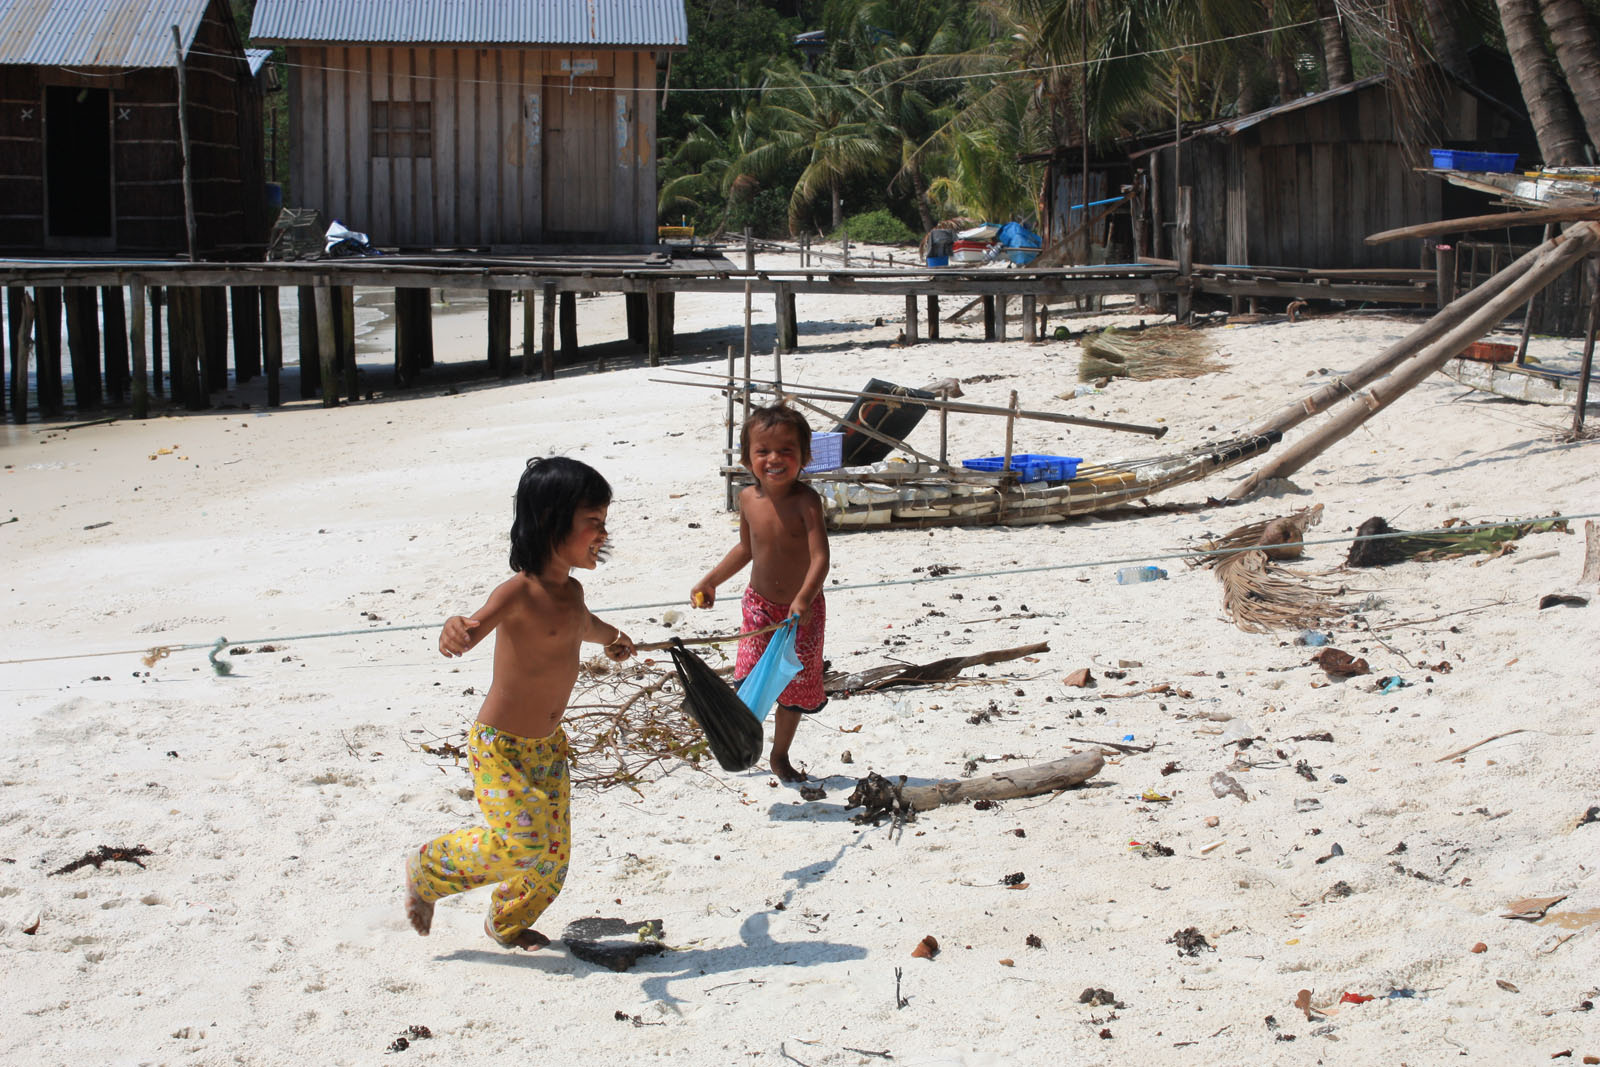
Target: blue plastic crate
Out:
[1030,467]
[1492,162]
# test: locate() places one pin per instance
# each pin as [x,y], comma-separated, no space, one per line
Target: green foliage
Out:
[732,45]
[766,213]
[878,227]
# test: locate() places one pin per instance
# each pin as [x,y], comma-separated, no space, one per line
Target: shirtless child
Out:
[781,531]
[517,749]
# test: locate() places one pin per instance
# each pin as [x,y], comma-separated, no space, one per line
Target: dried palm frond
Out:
[1161,352]
[1280,538]
[1440,544]
[1260,596]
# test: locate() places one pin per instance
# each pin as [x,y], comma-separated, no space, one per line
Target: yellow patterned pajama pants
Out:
[522,785]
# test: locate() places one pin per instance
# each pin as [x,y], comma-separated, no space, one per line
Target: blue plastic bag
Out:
[773,671]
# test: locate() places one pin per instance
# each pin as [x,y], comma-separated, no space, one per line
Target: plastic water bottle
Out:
[1313,638]
[1134,575]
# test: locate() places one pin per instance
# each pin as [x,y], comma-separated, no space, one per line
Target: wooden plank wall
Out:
[525,150]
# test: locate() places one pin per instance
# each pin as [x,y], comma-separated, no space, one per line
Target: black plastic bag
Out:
[733,732]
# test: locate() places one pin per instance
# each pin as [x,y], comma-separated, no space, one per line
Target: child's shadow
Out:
[757,947]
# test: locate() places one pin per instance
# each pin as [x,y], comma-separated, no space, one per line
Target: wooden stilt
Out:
[346,295]
[530,332]
[987,303]
[327,346]
[306,342]
[669,323]
[781,313]
[933,317]
[1185,252]
[114,320]
[1587,371]
[5,390]
[1030,318]
[1044,322]
[1000,317]
[637,306]
[911,318]
[727,475]
[1011,426]
[500,332]
[19,323]
[405,347]
[83,346]
[272,343]
[1527,312]
[653,296]
[214,338]
[547,331]
[245,303]
[136,338]
[791,340]
[568,315]
[47,351]
[158,300]
[1444,275]
[186,346]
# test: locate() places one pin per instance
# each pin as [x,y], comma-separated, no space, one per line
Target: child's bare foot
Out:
[527,940]
[785,770]
[419,911]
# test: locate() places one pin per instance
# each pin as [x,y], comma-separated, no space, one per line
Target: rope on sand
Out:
[158,652]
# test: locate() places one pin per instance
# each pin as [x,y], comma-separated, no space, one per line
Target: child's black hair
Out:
[776,415]
[549,495]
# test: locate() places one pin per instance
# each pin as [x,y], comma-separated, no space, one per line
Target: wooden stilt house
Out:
[479,123]
[1303,183]
[93,142]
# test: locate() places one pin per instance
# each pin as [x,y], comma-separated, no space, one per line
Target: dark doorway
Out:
[77,167]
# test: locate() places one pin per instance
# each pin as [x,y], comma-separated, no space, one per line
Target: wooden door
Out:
[576,181]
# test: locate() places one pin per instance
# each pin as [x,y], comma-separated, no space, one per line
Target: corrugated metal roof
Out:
[576,23]
[96,33]
[257,57]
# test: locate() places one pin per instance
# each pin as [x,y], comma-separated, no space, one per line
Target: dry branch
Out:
[941,670]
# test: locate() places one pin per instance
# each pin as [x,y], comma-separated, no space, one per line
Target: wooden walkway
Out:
[116,342]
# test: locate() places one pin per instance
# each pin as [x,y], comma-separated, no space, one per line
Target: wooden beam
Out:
[114,322]
[246,306]
[19,321]
[1573,213]
[911,319]
[499,340]
[327,346]
[547,332]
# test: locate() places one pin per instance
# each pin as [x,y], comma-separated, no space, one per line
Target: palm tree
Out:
[822,123]
[1335,45]
[1554,124]
[1578,51]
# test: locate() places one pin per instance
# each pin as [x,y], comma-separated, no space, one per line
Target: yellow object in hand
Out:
[699,600]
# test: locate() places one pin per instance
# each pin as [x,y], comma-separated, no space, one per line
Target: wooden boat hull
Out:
[912,496]
[1527,382]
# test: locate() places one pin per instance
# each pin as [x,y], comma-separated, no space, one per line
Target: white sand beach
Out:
[276,802]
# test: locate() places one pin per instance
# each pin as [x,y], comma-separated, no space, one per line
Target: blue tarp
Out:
[1020,244]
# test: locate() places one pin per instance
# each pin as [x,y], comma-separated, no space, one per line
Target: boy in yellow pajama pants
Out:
[517,750]
[522,787]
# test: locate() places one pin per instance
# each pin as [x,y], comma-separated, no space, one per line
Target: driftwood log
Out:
[941,670]
[879,796]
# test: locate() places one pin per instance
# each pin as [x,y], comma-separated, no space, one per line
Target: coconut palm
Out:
[1554,124]
[823,124]
[1577,47]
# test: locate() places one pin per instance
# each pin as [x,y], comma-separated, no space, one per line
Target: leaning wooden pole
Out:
[190,228]
[1296,412]
[1587,372]
[1551,264]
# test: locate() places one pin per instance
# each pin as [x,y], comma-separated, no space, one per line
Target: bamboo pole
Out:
[1575,213]
[1320,400]
[1011,426]
[1588,352]
[141,383]
[1573,246]
[727,477]
[817,392]
[183,140]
